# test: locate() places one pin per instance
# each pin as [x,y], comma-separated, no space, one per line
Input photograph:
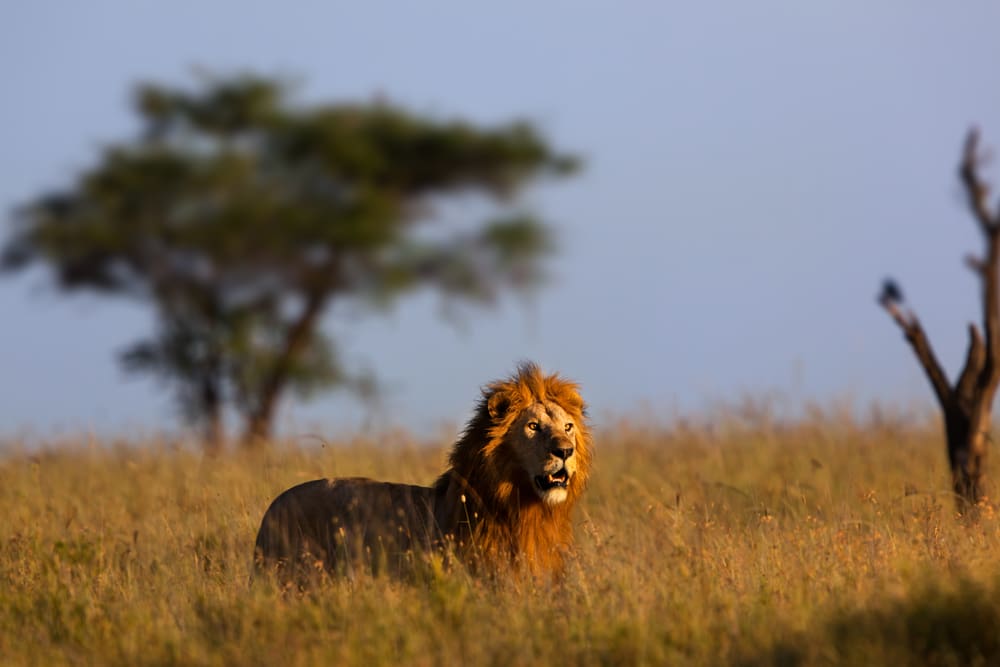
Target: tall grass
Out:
[732,540]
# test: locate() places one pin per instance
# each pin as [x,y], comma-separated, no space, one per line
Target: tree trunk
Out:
[260,421]
[212,405]
[967,437]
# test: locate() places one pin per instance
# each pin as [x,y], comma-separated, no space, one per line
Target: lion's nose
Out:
[562,452]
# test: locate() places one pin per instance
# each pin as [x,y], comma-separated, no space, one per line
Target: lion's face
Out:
[545,438]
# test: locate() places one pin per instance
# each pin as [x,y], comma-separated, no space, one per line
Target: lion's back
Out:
[336,524]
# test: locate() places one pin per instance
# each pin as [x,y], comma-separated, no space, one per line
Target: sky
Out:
[753,171]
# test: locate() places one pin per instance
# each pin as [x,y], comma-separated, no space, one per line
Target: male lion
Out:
[503,503]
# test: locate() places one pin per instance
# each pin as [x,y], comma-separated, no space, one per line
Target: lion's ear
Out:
[498,404]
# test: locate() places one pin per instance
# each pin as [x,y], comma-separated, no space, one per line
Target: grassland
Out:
[733,540]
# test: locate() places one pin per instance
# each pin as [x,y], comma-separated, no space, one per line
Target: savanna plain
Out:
[733,539]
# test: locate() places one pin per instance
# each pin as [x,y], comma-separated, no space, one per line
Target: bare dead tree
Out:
[967,405]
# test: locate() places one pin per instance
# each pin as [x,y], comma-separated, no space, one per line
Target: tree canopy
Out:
[240,217]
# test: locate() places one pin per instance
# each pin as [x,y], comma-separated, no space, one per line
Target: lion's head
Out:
[519,467]
[541,421]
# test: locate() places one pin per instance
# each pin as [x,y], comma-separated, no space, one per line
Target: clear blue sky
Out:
[754,170]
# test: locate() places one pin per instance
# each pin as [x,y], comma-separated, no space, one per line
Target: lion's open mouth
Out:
[554,480]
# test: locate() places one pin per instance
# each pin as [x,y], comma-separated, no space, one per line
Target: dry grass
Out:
[734,541]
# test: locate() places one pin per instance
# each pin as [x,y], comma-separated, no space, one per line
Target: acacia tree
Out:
[240,217]
[968,403]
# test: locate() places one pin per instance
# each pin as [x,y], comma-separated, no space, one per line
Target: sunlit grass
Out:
[732,540]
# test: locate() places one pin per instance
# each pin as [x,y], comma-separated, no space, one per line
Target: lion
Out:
[504,503]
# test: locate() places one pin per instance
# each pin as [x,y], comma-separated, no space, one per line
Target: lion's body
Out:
[505,500]
[335,523]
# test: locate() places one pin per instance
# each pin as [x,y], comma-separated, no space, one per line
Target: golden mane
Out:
[504,502]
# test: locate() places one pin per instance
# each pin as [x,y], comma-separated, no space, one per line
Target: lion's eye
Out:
[569,427]
[532,426]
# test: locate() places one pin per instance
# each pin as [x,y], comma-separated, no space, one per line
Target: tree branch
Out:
[917,339]
[977,190]
[975,358]
[991,310]
[976,265]
[989,268]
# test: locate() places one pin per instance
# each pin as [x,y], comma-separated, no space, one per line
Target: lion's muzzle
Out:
[553,480]
[557,473]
